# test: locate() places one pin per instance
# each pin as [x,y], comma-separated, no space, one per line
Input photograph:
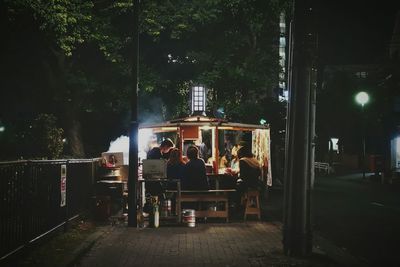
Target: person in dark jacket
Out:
[175,165]
[195,177]
[175,171]
[161,152]
[249,174]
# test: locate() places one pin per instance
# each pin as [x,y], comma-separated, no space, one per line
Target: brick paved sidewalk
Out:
[211,244]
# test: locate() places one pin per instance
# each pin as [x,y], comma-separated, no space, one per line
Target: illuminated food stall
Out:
[217,139]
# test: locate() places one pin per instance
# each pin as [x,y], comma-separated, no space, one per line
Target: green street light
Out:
[362,98]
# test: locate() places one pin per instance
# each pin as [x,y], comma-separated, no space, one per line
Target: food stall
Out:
[217,139]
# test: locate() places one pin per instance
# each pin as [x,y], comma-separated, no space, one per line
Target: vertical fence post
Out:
[66,194]
[27,208]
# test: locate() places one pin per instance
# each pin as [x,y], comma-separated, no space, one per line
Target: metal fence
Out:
[30,194]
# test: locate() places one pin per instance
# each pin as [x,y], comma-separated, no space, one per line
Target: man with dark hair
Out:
[194,177]
[161,152]
[165,148]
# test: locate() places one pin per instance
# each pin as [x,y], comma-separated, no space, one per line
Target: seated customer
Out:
[175,165]
[249,171]
[161,152]
[195,177]
[175,170]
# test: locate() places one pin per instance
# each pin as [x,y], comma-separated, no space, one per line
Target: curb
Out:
[322,246]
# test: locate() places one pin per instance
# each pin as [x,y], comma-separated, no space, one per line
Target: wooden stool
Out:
[252,204]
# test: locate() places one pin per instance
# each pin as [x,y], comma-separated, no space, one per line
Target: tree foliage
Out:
[47,137]
[79,55]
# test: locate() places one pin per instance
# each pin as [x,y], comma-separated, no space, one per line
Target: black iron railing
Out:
[30,198]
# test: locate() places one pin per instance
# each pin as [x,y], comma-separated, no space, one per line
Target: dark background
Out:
[352,32]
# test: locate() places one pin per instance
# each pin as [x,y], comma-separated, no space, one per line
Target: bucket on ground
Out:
[189,217]
[166,208]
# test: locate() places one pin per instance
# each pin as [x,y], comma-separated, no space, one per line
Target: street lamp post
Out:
[362,98]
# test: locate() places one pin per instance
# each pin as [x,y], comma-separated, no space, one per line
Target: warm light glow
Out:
[197,118]
[362,98]
[206,128]
[161,129]
[226,128]
[168,129]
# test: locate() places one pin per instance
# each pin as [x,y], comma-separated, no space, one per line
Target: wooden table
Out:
[198,196]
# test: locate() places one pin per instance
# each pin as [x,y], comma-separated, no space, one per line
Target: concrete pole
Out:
[313,108]
[134,125]
[297,234]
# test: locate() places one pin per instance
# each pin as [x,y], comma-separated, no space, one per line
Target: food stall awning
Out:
[172,125]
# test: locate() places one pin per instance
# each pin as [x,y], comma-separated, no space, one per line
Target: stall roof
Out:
[203,121]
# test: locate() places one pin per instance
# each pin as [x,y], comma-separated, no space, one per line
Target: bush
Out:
[47,137]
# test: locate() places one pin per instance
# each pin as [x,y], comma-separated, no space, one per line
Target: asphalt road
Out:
[359,216]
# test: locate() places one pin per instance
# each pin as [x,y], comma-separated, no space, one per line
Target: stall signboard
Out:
[63,185]
[112,159]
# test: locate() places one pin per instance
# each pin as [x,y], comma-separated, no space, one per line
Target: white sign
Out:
[63,185]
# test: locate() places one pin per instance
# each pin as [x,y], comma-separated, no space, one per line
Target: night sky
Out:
[355,31]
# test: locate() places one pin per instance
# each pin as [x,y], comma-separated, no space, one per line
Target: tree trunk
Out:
[68,103]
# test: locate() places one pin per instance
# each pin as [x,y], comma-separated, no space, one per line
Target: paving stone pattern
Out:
[211,244]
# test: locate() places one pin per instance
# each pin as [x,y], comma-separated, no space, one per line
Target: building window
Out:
[361,74]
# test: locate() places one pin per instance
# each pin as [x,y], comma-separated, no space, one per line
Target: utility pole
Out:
[299,164]
[134,125]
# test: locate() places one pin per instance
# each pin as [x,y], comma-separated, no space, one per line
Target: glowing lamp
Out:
[362,98]
[199,100]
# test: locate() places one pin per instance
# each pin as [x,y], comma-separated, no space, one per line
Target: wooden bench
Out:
[199,196]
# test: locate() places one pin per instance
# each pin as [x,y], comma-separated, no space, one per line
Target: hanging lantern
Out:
[198,100]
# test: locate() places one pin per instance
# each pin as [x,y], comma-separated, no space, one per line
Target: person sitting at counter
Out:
[248,174]
[234,168]
[175,165]
[194,177]
[161,152]
[249,171]
[175,171]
